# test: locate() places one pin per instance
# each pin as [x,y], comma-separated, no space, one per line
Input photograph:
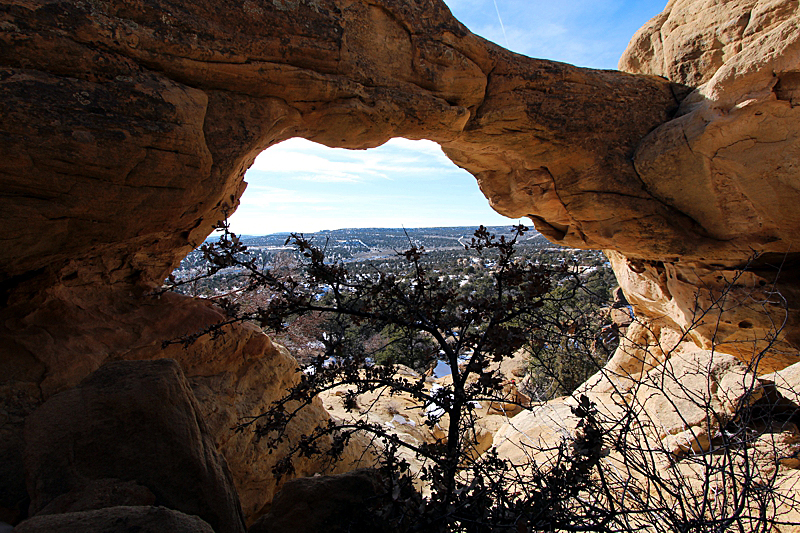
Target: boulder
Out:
[99,494]
[691,396]
[787,486]
[399,414]
[690,41]
[786,383]
[336,504]
[644,346]
[247,389]
[137,422]
[121,519]
[234,374]
[779,444]
[532,437]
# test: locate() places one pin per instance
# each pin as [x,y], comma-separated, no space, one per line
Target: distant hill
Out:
[387,239]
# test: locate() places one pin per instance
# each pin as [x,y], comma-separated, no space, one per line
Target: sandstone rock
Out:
[223,83]
[324,503]
[99,494]
[404,416]
[233,375]
[512,368]
[153,115]
[780,445]
[644,346]
[120,519]
[132,421]
[532,436]
[787,486]
[691,395]
[399,414]
[511,401]
[17,400]
[710,162]
[690,41]
[127,131]
[486,428]
[246,390]
[787,383]
[747,310]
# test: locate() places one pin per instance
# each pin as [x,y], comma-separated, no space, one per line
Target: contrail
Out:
[501,22]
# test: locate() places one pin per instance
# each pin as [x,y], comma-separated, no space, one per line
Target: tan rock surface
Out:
[748,310]
[692,395]
[729,162]
[399,414]
[645,345]
[533,435]
[404,416]
[228,398]
[786,382]
[122,519]
[680,405]
[132,421]
[690,41]
[224,80]
[234,375]
[127,129]
[788,485]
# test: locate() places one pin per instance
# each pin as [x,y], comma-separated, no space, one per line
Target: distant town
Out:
[370,249]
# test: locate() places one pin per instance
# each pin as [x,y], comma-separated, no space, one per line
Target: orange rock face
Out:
[730,161]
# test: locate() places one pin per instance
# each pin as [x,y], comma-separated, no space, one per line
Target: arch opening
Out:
[302,186]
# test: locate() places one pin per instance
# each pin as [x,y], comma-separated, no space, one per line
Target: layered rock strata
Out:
[729,160]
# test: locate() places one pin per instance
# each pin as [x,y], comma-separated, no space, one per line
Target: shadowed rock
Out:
[131,421]
[117,519]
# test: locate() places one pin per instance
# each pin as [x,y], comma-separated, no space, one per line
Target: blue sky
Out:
[301,186]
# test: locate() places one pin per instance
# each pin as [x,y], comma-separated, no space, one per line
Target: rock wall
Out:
[126,129]
[729,160]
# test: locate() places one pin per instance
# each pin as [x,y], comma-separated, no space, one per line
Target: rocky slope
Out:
[127,127]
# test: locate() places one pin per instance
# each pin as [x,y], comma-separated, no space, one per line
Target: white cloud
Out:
[309,161]
[305,160]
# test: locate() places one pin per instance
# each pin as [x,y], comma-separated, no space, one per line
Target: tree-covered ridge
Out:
[376,248]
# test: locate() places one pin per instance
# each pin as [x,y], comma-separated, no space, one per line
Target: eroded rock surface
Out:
[122,519]
[154,111]
[126,129]
[730,161]
[131,421]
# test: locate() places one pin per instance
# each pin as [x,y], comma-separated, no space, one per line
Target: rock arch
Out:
[127,127]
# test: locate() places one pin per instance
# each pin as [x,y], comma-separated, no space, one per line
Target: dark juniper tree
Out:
[525,303]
